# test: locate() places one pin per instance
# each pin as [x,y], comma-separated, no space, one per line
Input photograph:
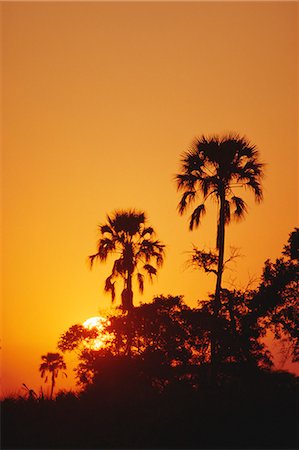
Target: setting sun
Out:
[98,323]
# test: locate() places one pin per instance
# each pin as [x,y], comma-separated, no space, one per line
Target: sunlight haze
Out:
[99,102]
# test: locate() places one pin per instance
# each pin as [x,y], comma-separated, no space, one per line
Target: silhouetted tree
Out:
[208,261]
[276,302]
[273,306]
[291,249]
[168,341]
[127,235]
[241,333]
[77,337]
[52,363]
[213,168]
[171,342]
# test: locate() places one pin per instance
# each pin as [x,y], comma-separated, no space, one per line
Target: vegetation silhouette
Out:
[212,168]
[276,300]
[167,337]
[127,235]
[154,383]
[252,408]
[175,338]
[53,363]
[162,395]
[31,394]
[77,337]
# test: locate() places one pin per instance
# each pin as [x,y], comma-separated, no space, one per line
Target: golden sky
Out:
[99,101]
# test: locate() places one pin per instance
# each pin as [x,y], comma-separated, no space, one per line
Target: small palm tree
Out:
[52,363]
[127,235]
[213,168]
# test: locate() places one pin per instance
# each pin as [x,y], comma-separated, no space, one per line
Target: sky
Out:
[99,100]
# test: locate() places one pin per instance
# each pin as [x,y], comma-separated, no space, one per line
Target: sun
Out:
[103,338]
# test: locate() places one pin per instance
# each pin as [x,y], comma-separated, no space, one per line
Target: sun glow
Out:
[103,338]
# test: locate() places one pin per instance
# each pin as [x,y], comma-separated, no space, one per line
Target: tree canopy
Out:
[127,235]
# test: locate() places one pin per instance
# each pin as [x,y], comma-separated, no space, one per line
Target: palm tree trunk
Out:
[129,310]
[52,385]
[220,246]
[130,291]
[217,301]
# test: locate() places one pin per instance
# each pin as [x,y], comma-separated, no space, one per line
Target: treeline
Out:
[174,340]
[164,391]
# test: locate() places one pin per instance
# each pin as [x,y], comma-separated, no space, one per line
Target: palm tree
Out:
[52,363]
[127,235]
[213,168]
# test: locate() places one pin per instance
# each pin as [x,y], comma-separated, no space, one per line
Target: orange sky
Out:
[99,101]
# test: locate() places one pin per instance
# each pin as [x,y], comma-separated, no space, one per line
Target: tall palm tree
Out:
[213,168]
[52,363]
[127,235]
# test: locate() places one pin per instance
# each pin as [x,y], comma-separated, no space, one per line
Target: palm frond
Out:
[109,287]
[92,259]
[118,267]
[186,181]
[147,230]
[253,168]
[159,258]
[208,147]
[187,199]
[151,270]
[240,207]
[151,249]
[148,246]
[196,216]
[140,279]
[193,159]
[255,186]
[209,184]
[105,246]
[106,229]
[245,148]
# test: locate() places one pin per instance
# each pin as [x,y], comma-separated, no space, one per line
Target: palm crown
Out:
[127,235]
[213,167]
[52,363]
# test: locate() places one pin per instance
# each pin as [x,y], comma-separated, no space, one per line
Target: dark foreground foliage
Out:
[247,408]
